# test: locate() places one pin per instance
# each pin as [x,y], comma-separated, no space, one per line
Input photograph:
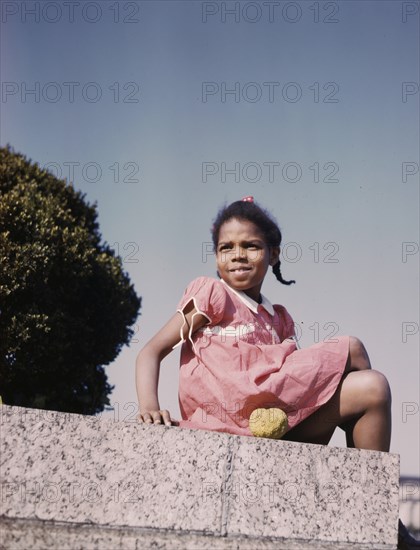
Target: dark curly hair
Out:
[252,212]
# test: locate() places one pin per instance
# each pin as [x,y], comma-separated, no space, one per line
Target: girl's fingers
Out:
[166,418]
[143,418]
[155,417]
[162,417]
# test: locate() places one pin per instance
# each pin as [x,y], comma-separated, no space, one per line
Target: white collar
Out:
[252,304]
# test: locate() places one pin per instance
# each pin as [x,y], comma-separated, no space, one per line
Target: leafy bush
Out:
[66,306]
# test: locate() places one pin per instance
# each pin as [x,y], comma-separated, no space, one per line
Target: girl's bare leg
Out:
[361,405]
[358,359]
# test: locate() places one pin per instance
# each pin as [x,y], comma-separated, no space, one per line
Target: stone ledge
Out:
[20,534]
[119,476]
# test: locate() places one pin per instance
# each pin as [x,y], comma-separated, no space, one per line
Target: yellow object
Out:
[270,423]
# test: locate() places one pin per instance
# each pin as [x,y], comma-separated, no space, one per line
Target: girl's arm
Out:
[148,363]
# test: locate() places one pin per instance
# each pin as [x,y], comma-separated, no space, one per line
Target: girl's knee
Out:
[358,358]
[356,346]
[377,388]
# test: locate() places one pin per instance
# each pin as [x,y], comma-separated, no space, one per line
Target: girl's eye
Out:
[224,247]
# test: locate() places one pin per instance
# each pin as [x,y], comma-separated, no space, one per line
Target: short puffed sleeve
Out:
[209,297]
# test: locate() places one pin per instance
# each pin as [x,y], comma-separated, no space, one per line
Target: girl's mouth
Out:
[240,270]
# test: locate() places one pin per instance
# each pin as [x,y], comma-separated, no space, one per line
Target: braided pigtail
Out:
[279,276]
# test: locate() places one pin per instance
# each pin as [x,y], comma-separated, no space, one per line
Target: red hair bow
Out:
[250,198]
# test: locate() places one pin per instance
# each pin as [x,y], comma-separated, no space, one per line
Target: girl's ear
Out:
[274,255]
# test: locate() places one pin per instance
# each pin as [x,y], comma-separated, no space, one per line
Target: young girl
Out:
[239,353]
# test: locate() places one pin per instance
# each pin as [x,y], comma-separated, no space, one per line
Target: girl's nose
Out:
[240,253]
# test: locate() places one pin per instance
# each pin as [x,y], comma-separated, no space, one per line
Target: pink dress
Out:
[245,358]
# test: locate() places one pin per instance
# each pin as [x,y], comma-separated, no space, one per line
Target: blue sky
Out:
[321,126]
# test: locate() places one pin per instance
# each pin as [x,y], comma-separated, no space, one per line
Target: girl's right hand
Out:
[156,417]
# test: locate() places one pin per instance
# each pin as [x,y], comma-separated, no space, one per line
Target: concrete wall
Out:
[84,479]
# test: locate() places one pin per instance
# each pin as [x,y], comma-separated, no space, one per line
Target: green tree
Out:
[66,305]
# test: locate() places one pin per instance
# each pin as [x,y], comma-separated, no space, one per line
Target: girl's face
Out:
[243,256]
